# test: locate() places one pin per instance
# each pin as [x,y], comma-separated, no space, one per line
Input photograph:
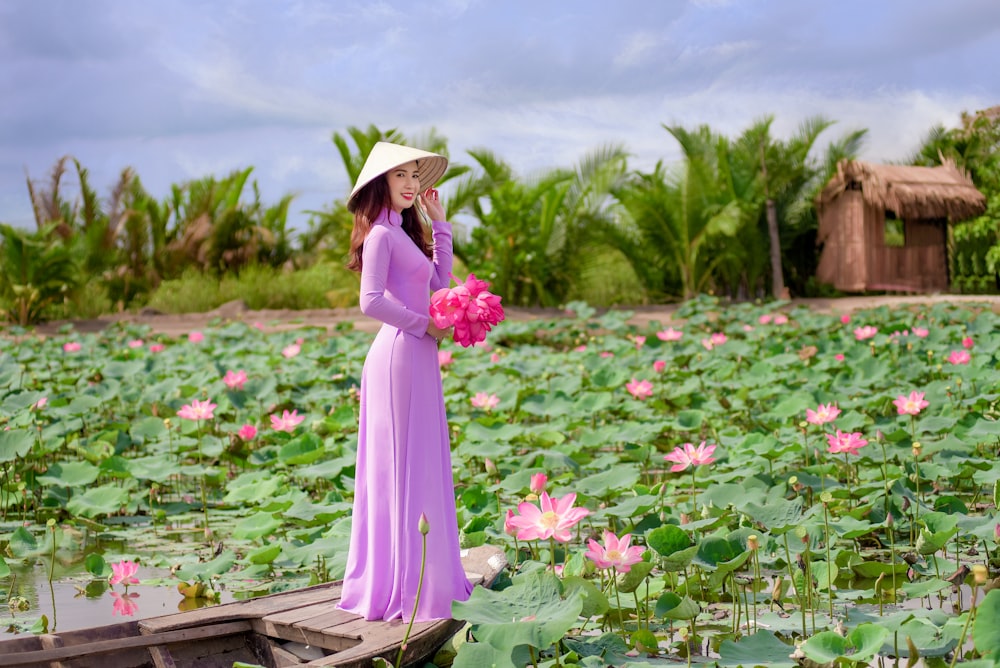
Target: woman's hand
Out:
[430,203]
[437,332]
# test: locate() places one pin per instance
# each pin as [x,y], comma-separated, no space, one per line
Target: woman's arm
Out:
[443,255]
[375,257]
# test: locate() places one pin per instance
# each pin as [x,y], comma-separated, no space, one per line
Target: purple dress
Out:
[404,455]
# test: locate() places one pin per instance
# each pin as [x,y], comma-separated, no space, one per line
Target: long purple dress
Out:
[404,456]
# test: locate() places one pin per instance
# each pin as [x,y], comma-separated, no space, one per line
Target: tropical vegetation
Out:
[733,217]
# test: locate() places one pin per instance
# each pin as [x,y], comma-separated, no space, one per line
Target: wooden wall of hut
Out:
[843,261]
[920,265]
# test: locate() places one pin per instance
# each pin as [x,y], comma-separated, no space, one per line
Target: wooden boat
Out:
[294,628]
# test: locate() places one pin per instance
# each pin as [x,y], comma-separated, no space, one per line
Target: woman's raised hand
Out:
[430,203]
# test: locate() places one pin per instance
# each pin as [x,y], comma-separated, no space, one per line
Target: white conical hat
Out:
[384,156]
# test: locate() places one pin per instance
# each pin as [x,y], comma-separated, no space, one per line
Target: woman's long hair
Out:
[366,207]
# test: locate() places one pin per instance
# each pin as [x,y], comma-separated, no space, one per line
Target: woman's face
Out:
[404,184]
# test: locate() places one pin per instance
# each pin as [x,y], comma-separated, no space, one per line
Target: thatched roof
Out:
[910,192]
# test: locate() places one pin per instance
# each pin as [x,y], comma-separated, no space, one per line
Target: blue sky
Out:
[179,89]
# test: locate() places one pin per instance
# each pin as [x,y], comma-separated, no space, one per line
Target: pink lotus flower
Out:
[640,389]
[690,456]
[485,401]
[959,357]
[866,332]
[508,525]
[468,307]
[553,519]
[235,380]
[136,343]
[839,357]
[780,319]
[71,347]
[616,552]
[824,413]
[640,341]
[124,572]
[845,319]
[716,339]
[967,343]
[842,442]
[247,432]
[606,354]
[197,410]
[910,405]
[538,482]
[156,347]
[39,405]
[580,349]
[494,358]
[291,350]
[920,332]
[748,328]
[444,357]
[764,319]
[669,334]
[124,604]
[659,366]
[287,422]
[196,337]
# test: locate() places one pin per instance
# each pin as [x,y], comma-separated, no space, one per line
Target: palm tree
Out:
[37,270]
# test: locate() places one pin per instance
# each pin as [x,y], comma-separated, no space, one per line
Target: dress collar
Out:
[390,218]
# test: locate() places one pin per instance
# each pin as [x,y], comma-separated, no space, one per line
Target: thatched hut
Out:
[885,227]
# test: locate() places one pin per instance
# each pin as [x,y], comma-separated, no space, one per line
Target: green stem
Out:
[965,629]
[791,574]
[416,601]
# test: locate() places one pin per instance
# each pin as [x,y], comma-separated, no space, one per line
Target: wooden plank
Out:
[162,657]
[50,641]
[110,646]
[334,643]
[327,621]
[248,609]
[420,646]
[299,614]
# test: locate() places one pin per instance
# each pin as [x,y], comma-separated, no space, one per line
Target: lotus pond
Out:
[843,508]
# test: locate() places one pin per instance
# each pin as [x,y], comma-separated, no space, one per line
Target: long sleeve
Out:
[374,272]
[443,255]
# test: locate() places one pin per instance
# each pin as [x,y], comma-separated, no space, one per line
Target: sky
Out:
[184,89]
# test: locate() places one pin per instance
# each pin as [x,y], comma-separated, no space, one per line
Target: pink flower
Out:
[920,332]
[690,456]
[197,410]
[959,357]
[235,380]
[764,319]
[444,357]
[747,328]
[845,319]
[580,349]
[39,405]
[156,347]
[866,332]
[910,405]
[71,347]
[659,366]
[494,358]
[640,341]
[538,482]
[669,334]
[247,432]
[196,337]
[124,604]
[470,307]
[291,350]
[486,401]
[780,319]
[136,343]
[553,519]
[824,413]
[616,552]
[849,443]
[124,572]
[967,343]
[607,353]
[640,389]
[716,339]
[508,526]
[839,357]
[287,422]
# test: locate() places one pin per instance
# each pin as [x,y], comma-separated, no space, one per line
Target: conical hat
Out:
[384,156]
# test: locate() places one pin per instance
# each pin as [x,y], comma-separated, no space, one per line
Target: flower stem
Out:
[416,600]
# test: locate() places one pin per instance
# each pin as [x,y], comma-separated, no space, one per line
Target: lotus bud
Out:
[996,532]
[491,468]
[538,482]
[979,574]
[423,525]
[917,448]
[753,542]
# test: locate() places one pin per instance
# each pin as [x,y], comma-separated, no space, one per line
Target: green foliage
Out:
[37,271]
[323,285]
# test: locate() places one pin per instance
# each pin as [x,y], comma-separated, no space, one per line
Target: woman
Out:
[404,456]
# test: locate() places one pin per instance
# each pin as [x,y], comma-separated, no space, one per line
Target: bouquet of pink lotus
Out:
[470,307]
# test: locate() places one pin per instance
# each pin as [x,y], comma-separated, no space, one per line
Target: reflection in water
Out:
[124,604]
